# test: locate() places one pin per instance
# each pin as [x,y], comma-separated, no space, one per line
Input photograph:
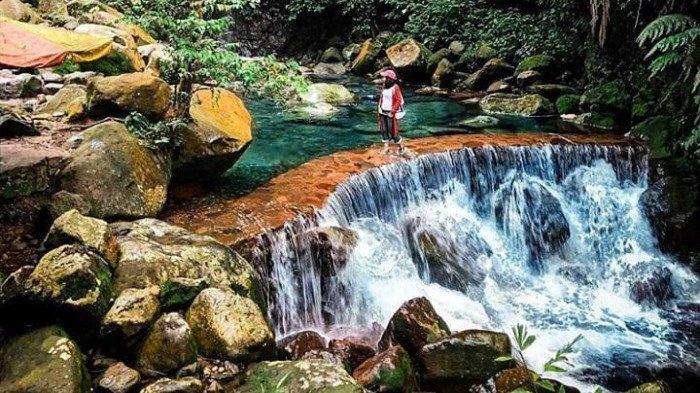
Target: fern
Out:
[682,40]
[664,62]
[665,25]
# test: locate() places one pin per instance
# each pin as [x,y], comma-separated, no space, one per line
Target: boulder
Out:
[331,55]
[506,381]
[72,278]
[179,292]
[551,91]
[74,228]
[463,358]
[64,201]
[350,51]
[79,77]
[220,133]
[436,58]
[412,326]
[409,58]
[299,376]
[388,371]
[568,103]
[330,247]
[473,59]
[22,85]
[52,88]
[19,11]
[493,70]
[139,91]
[181,385]
[443,73]
[364,61]
[479,122]
[528,212]
[350,352]
[323,354]
[119,378]
[132,312]
[544,64]
[168,346]
[512,104]
[329,69]
[43,360]
[68,103]
[651,387]
[116,174]
[54,8]
[499,86]
[597,121]
[13,125]
[328,93]
[154,54]
[296,345]
[26,170]
[12,287]
[227,325]
[654,288]
[153,252]
[527,78]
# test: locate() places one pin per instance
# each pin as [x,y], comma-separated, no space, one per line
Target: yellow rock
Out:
[221,111]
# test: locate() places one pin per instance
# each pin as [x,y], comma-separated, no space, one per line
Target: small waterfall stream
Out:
[548,236]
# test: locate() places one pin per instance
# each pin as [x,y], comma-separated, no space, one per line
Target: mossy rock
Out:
[43,360]
[568,103]
[602,121]
[115,63]
[369,51]
[388,371]
[655,133]
[132,312]
[179,292]
[436,57]
[651,387]
[139,91]
[72,227]
[543,64]
[526,105]
[476,57]
[329,93]
[301,376]
[413,325]
[69,103]
[612,97]
[168,346]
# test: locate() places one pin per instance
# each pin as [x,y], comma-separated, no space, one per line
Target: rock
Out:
[456,48]
[499,87]
[413,325]
[22,85]
[463,358]
[331,247]
[350,353]
[612,97]
[551,91]
[13,125]
[479,122]
[651,387]
[153,252]
[295,346]
[474,59]
[527,78]
[52,88]
[50,77]
[179,292]
[72,227]
[493,70]
[544,64]
[221,133]
[369,51]
[323,354]
[119,378]
[168,347]
[182,385]
[319,110]
[13,287]
[436,58]
[506,381]
[331,55]
[118,176]
[69,103]
[526,105]
[329,69]
[654,289]
[328,93]
[64,201]
[350,51]
[409,58]
[528,211]
[568,103]
[43,360]
[72,278]
[299,376]
[28,170]
[443,73]
[52,7]
[600,121]
[227,325]
[19,11]
[139,91]
[154,54]
[388,371]
[79,77]
[132,312]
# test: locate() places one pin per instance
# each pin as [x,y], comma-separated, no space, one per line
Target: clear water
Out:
[583,287]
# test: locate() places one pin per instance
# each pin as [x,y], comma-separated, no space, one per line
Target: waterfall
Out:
[549,236]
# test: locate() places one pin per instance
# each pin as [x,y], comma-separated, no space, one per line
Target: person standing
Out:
[390,111]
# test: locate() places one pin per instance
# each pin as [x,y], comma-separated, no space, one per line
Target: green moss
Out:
[178,293]
[568,103]
[67,67]
[398,378]
[611,97]
[540,63]
[113,64]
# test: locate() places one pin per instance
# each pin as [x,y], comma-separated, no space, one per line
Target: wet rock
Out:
[153,252]
[409,57]
[527,78]
[118,378]
[331,247]
[493,70]
[181,385]
[328,93]
[29,170]
[654,289]
[221,132]
[331,55]
[479,122]
[296,345]
[22,85]
[463,358]
[351,353]
[323,354]
[43,360]
[132,312]
[388,371]
[651,387]
[168,346]
[329,69]
[443,73]
[299,376]
[72,278]
[551,91]
[506,381]
[512,104]
[227,325]
[369,51]
[350,51]
[413,325]
[139,91]
[179,292]
[74,228]
[527,210]
[116,174]
[68,103]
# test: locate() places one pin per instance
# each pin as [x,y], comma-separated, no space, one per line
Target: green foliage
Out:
[568,103]
[160,135]
[611,97]
[67,67]
[536,63]
[271,78]
[112,64]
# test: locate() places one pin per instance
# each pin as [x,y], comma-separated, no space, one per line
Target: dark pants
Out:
[389,127]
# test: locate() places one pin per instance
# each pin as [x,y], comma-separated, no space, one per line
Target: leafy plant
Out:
[160,135]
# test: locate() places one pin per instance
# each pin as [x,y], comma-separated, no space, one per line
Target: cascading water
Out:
[551,237]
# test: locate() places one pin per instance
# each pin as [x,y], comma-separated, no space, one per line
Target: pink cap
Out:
[389,74]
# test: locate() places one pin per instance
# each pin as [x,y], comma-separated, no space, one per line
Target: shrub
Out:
[568,103]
